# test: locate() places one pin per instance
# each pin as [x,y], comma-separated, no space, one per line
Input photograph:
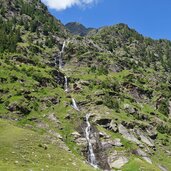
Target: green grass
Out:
[136,164]
[22,149]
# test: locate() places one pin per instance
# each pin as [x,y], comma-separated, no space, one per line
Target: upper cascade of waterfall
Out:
[63,47]
[74,105]
[91,155]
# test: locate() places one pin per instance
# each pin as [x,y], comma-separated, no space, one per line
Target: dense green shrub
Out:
[111,102]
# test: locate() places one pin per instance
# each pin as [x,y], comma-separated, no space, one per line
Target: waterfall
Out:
[91,155]
[61,55]
[66,84]
[74,104]
[63,47]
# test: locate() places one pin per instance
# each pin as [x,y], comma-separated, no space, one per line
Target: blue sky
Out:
[151,18]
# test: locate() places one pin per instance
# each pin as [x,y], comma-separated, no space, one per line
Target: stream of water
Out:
[91,155]
[66,84]
[74,105]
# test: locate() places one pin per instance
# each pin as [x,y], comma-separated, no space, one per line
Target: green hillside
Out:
[117,75]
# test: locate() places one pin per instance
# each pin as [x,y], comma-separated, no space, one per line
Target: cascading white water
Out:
[61,55]
[74,104]
[66,84]
[91,155]
[63,46]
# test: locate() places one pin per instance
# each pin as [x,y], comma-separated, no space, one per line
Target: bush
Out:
[102,70]
[164,129]
[163,107]
[111,102]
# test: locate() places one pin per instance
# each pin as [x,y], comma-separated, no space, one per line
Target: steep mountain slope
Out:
[65,97]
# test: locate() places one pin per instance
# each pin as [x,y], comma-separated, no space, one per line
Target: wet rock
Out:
[127,135]
[98,150]
[120,162]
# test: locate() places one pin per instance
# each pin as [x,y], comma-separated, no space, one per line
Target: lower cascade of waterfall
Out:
[74,104]
[66,84]
[91,155]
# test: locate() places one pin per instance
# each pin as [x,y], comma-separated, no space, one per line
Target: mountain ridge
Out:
[78,29]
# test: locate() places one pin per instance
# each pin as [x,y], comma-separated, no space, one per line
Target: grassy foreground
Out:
[25,150]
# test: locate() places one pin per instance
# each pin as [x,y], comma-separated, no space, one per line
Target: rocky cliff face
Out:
[118,76]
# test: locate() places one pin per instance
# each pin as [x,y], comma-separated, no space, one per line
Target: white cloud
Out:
[63,4]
